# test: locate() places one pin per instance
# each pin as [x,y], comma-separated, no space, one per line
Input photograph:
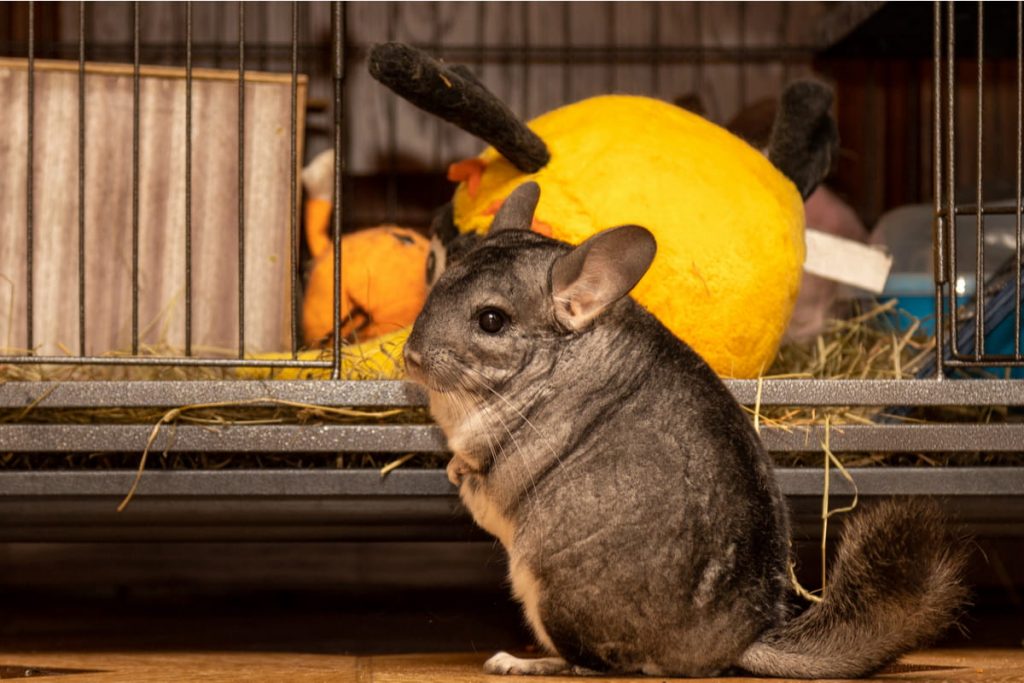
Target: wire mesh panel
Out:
[150,262]
[977,268]
[170,254]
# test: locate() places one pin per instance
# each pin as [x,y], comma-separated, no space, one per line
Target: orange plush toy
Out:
[382,269]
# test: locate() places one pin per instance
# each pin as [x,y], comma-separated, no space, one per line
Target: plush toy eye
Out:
[431,265]
[492,320]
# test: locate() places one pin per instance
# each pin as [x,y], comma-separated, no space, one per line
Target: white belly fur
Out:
[525,586]
[485,513]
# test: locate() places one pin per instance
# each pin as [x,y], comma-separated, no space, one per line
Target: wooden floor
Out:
[173,634]
[111,667]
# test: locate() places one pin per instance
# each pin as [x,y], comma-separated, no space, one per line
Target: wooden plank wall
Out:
[108,210]
[545,77]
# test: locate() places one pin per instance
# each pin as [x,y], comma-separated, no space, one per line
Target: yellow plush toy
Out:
[728,220]
[382,269]
[729,225]
[382,290]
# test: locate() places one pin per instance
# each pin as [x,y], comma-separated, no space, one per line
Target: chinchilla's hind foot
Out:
[504,664]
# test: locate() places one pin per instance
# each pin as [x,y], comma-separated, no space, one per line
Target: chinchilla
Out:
[644,526]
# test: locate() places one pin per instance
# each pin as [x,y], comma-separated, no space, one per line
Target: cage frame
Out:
[79,505]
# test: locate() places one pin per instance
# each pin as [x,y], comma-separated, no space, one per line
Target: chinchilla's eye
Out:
[492,321]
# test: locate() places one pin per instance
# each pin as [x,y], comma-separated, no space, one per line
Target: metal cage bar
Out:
[338,73]
[81,180]
[979,277]
[241,179]
[951,178]
[188,178]
[1019,164]
[939,247]
[135,179]
[29,184]
[293,227]
[961,334]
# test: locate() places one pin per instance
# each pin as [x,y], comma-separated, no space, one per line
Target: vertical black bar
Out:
[954,321]
[742,66]
[698,72]
[293,266]
[264,36]
[481,37]
[610,71]
[339,169]
[979,277]
[1020,144]
[81,178]
[655,48]
[294,181]
[218,32]
[939,221]
[241,179]
[566,52]
[783,30]
[135,179]
[29,182]
[188,178]
[436,32]
[525,18]
[391,114]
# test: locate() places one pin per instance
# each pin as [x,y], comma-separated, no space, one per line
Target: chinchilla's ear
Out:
[599,272]
[516,212]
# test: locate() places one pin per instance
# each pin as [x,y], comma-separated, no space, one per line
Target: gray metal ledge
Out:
[794,481]
[334,438]
[173,394]
[334,505]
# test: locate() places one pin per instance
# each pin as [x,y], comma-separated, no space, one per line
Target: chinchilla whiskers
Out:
[515,442]
[480,380]
[487,411]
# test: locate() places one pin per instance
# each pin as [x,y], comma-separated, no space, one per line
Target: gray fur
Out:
[446,243]
[893,586]
[804,138]
[517,208]
[643,523]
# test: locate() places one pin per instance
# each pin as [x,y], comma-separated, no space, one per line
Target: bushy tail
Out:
[894,585]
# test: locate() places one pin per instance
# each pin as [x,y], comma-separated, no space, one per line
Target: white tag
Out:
[846,261]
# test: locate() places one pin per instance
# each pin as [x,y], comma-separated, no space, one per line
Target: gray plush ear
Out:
[516,212]
[599,272]
[804,138]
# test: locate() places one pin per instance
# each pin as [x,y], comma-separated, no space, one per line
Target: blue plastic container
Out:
[906,231]
[915,294]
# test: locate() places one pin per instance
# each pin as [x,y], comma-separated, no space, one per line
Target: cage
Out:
[290,459]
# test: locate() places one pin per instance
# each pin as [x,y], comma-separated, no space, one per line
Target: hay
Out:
[865,345]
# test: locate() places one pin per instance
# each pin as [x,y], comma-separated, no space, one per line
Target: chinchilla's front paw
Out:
[457,469]
[504,664]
